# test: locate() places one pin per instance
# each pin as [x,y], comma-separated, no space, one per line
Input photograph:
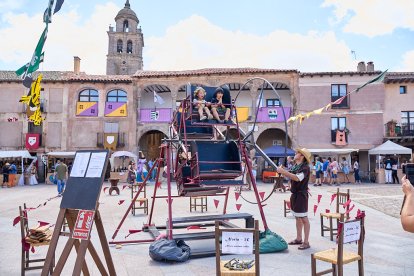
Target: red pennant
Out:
[319,198]
[288,205]
[315,207]
[216,203]
[339,101]
[124,186]
[237,195]
[158,185]
[360,214]
[121,201]
[262,194]
[16,220]
[238,206]
[33,249]
[347,203]
[171,200]
[43,223]
[195,227]
[106,188]
[333,198]
[141,202]
[327,211]
[350,209]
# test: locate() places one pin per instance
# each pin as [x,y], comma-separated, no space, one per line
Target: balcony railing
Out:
[273,114]
[155,115]
[399,130]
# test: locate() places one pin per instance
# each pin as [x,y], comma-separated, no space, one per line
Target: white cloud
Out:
[374,17]
[10,5]
[68,36]
[196,43]
[408,62]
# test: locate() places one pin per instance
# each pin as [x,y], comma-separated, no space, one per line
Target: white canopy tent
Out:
[122,155]
[62,154]
[18,154]
[388,148]
[332,151]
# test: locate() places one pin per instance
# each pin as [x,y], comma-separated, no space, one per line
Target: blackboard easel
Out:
[82,193]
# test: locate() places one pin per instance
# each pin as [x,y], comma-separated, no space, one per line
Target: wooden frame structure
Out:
[341,199]
[338,257]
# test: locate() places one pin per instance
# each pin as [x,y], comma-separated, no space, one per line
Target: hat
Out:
[306,153]
[7,164]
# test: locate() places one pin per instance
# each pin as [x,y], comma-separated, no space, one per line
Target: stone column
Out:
[254,94]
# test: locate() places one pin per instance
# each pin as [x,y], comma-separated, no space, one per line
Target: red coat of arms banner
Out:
[32,141]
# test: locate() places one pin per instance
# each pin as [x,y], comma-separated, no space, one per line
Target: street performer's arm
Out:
[407,213]
[294,177]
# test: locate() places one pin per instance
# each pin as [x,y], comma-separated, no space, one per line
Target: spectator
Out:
[5,171]
[12,174]
[394,169]
[356,171]
[407,211]
[388,170]
[345,169]
[334,170]
[318,169]
[61,172]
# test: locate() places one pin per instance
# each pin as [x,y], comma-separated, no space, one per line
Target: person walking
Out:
[388,170]
[318,169]
[12,175]
[334,170]
[356,172]
[131,172]
[299,175]
[394,169]
[345,170]
[61,173]
[5,171]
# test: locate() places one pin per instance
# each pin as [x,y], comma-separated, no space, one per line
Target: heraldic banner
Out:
[110,140]
[32,141]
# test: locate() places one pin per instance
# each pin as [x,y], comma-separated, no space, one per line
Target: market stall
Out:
[338,154]
[387,148]
[22,156]
[275,153]
[65,156]
[119,162]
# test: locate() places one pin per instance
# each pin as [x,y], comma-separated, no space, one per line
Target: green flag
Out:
[37,57]
[378,78]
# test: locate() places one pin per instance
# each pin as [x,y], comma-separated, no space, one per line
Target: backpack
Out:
[388,166]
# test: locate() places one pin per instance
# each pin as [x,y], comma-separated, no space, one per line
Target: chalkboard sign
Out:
[85,180]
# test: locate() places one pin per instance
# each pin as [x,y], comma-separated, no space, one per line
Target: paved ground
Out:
[388,249]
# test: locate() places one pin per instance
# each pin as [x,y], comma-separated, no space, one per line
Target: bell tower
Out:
[125,44]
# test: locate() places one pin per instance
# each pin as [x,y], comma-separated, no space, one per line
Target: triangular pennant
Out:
[238,206]
[26,245]
[195,227]
[106,188]
[347,203]
[262,194]
[350,209]
[237,195]
[43,223]
[216,202]
[333,198]
[158,185]
[319,198]
[171,200]
[33,249]
[315,207]
[327,211]
[124,186]
[121,201]
[16,220]
[141,202]
[318,111]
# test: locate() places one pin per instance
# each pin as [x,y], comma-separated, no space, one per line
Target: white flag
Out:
[158,99]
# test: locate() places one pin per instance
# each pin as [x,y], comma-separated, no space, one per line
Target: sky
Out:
[306,35]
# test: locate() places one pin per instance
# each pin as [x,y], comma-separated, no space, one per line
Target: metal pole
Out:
[170,234]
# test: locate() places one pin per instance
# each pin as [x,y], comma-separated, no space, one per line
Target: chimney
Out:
[370,66]
[361,67]
[76,65]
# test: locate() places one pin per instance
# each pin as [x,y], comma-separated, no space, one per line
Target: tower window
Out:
[119,46]
[125,26]
[129,47]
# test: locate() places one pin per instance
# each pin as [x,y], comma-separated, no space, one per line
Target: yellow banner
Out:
[242,113]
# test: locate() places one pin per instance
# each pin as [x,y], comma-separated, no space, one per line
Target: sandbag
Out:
[270,242]
[169,250]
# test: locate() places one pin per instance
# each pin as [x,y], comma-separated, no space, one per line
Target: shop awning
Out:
[332,151]
[62,154]
[278,151]
[16,153]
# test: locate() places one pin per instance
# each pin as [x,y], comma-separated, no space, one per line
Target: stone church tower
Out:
[125,44]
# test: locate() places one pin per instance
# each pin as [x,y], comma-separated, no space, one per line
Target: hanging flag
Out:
[339,101]
[378,78]
[121,201]
[37,57]
[315,207]
[319,198]
[58,5]
[327,211]
[237,195]
[262,194]
[158,99]
[347,203]
[47,15]
[333,198]
[238,206]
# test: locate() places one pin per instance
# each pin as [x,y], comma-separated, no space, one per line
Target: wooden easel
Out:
[74,200]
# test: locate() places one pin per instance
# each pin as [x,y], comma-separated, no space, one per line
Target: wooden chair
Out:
[338,257]
[26,260]
[341,199]
[141,203]
[198,201]
[286,206]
